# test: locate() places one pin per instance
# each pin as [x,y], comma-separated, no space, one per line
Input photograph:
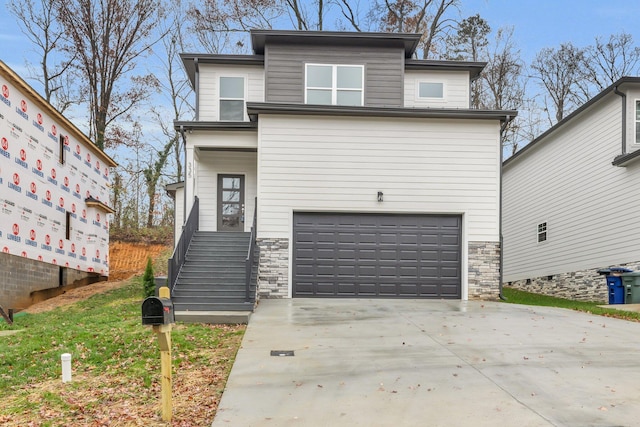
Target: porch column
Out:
[190,190]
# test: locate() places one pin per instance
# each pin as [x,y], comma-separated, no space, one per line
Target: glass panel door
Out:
[230,203]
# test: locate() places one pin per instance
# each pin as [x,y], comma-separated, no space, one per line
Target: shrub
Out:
[148,281]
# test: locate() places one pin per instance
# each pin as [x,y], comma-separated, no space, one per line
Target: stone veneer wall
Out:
[273,268]
[583,285]
[484,270]
[22,279]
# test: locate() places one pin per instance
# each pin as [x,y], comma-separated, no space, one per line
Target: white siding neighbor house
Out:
[367,171]
[570,199]
[54,192]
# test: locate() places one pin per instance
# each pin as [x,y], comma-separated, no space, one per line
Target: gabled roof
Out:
[408,41]
[29,92]
[91,202]
[611,89]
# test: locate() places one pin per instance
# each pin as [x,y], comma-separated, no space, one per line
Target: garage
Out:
[367,255]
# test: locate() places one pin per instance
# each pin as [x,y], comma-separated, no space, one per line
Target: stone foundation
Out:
[583,285]
[273,268]
[25,281]
[484,270]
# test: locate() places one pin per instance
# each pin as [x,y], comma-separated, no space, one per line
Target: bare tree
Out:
[417,16]
[176,89]
[503,79]
[38,20]
[221,26]
[351,13]
[107,38]
[560,72]
[608,61]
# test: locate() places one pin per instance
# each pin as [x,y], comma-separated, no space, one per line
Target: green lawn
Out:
[108,345]
[515,296]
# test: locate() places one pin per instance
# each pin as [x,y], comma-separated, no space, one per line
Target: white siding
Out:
[456,89]
[590,206]
[178,215]
[340,164]
[210,78]
[633,95]
[223,139]
[212,163]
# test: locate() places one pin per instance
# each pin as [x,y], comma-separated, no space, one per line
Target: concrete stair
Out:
[211,284]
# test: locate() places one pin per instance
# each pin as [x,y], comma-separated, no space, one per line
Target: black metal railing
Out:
[188,230]
[251,253]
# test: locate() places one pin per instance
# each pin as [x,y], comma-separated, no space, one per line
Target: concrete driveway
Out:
[432,363]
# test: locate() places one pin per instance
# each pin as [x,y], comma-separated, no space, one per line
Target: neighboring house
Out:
[370,175]
[53,189]
[570,199]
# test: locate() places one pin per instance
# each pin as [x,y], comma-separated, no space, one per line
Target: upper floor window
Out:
[637,122]
[334,84]
[232,98]
[432,90]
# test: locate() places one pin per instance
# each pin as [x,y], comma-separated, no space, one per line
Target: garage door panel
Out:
[449,255]
[449,240]
[376,255]
[448,273]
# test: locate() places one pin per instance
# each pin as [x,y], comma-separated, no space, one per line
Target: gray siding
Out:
[384,71]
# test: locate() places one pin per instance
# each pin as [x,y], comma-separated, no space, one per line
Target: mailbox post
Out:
[158,312]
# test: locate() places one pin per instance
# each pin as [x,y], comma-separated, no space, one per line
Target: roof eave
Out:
[211,125]
[259,38]
[474,68]
[190,62]
[256,108]
[91,202]
[583,107]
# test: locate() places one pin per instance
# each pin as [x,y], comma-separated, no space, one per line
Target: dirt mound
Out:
[127,259]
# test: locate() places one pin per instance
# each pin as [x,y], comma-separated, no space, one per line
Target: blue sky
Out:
[537,23]
[548,23]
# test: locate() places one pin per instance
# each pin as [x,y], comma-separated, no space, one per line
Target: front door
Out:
[230,202]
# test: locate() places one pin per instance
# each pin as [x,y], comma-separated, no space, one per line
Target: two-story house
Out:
[369,174]
[570,198]
[54,190]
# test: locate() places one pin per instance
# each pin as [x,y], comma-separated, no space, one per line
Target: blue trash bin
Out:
[615,285]
[616,290]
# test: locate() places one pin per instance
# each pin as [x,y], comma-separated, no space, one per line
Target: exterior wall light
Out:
[380,196]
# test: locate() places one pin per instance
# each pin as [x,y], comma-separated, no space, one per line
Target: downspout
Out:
[624,118]
[197,88]
[501,259]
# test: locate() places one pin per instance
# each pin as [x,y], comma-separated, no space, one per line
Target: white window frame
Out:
[544,231]
[334,82]
[243,99]
[636,122]
[430,98]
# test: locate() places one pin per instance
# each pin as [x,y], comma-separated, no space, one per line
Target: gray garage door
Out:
[376,255]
